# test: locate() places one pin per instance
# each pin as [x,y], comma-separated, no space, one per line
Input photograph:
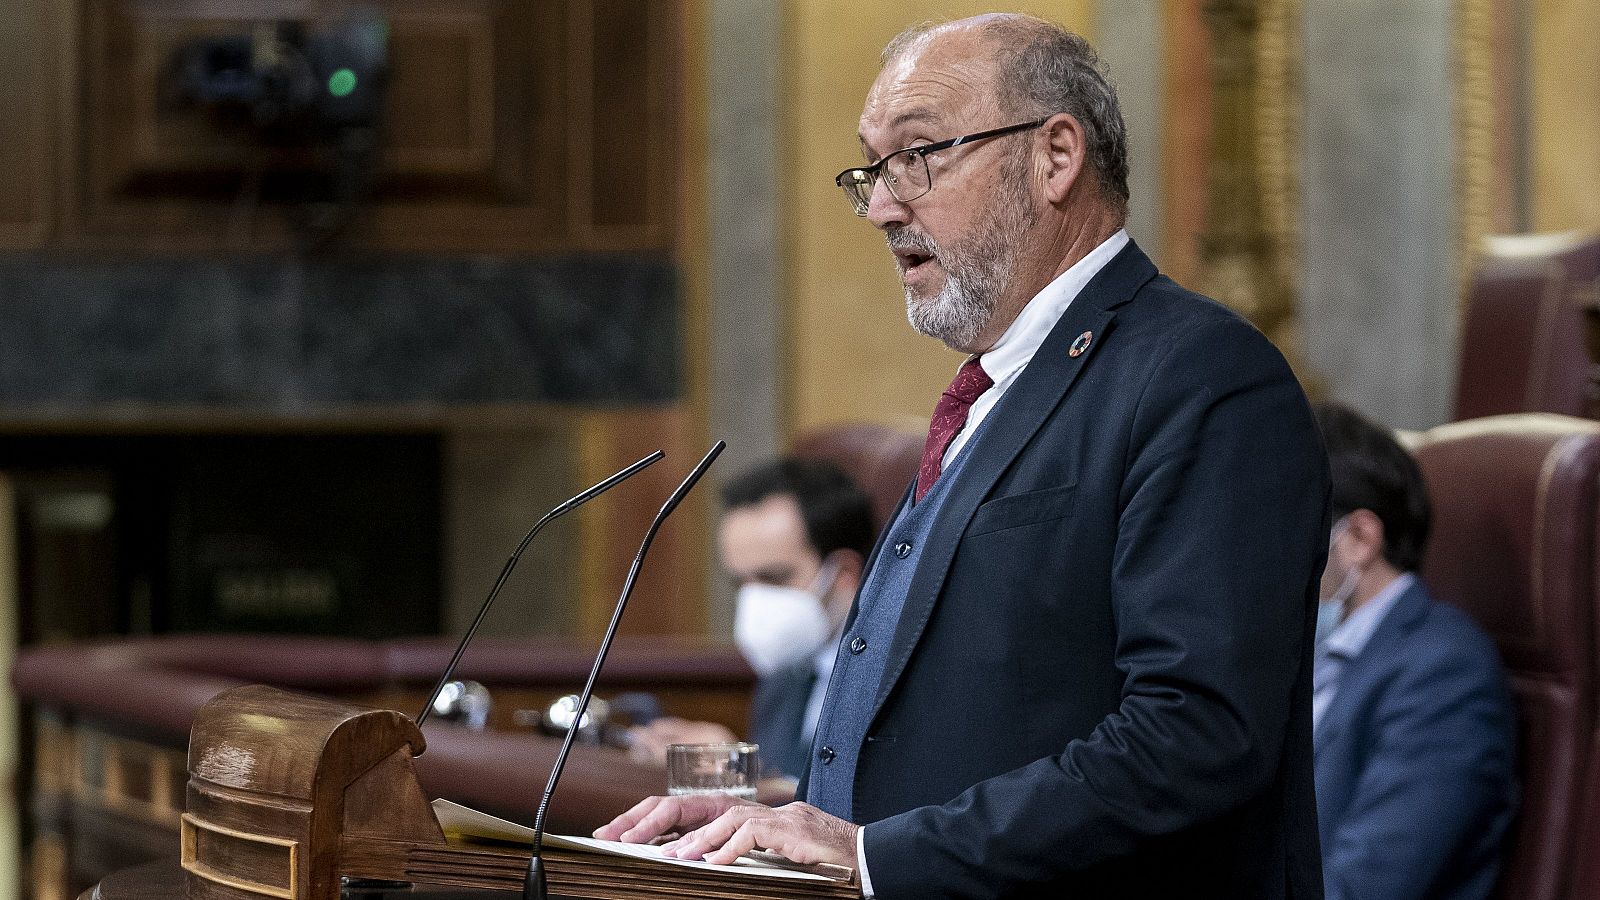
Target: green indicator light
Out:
[341,82]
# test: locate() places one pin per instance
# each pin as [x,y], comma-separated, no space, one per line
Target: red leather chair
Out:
[882,460]
[1515,544]
[1522,346]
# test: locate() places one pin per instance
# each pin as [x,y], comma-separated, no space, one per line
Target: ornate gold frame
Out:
[1250,249]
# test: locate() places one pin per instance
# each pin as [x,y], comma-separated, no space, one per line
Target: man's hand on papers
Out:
[720,828]
[797,831]
[657,816]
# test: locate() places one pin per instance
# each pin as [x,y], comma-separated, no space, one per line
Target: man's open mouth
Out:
[911,259]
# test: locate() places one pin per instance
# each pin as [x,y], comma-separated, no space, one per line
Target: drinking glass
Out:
[727,768]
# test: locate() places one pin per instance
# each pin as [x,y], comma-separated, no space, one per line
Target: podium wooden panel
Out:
[164,880]
[289,793]
[275,780]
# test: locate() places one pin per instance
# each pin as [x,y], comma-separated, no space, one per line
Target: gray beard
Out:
[960,311]
[977,273]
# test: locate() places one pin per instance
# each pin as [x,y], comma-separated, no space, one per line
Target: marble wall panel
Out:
[282,335]
[1379,214]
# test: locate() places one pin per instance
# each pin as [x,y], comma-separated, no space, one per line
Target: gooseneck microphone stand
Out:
[533,883]
[505,573]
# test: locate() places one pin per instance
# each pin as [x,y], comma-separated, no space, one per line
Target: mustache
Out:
[911,242]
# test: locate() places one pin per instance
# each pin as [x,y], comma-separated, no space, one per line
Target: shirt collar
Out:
[1016,347]
[1352,635]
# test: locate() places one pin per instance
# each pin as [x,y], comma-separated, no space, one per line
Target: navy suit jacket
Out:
[1100,685]
[1416,760]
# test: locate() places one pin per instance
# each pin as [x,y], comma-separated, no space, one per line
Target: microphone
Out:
[533,883]
[511,563]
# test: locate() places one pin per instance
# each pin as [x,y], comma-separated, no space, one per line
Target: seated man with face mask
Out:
[794,535]
[1414,734]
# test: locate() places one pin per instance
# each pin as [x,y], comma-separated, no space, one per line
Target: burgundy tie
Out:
[948,419]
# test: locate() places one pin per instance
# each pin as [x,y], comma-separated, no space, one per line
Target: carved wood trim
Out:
[191,855]
[498,130]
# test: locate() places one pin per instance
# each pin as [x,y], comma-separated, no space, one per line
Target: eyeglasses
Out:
[906,171]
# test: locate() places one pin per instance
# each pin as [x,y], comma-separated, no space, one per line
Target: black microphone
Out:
[511,563]
[533,883]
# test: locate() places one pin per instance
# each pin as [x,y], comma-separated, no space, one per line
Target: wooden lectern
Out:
[277,781]
[289,793]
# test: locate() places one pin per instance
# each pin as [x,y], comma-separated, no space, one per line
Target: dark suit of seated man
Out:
[1415,734]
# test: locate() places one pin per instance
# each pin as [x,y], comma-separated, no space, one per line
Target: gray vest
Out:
[863,650]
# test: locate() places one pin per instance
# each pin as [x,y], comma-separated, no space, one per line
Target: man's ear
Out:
[1065,156]
[1363,537]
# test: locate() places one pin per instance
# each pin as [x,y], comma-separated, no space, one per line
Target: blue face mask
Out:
[1330,612]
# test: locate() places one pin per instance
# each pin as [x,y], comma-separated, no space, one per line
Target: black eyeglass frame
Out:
[875,171]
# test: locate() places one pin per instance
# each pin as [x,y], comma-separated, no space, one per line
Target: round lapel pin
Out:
[1080,345]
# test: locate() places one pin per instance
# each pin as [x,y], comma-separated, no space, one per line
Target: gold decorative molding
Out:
[1279,113]
[1473,45]
[1249,250]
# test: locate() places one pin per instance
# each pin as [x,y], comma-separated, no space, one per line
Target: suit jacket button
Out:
[902,549]
[858,645]
[826,754]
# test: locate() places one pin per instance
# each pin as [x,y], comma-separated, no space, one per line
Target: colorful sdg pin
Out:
[1080,345]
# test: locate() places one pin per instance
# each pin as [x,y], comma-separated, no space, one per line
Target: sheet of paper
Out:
[463,821]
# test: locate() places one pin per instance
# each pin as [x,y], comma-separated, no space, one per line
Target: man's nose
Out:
[883,210]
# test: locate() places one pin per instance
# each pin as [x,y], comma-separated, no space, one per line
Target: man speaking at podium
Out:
[1079,663]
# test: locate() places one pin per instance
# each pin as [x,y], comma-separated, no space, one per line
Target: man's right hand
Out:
[654,817]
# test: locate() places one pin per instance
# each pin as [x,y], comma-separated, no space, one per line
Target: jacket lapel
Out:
[1038,390]
[1360,675]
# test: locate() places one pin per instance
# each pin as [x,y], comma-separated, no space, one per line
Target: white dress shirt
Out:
[1003,363]
[1010,355]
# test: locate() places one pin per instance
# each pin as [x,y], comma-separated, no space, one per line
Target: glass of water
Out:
[730,768]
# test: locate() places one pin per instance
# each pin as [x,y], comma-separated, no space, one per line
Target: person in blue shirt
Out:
[1414,731]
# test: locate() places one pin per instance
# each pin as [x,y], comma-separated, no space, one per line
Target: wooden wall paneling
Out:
[498,481]
[152,174]
[515,200]
[476,131]
[668,598]
[134,155]
[666,85]
[580,116]
[622,137]
[28,109]
[64,72]
[155,163]
[622,140]
[443,96]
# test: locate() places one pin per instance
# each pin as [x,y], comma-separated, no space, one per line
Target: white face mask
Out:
[1330,612]
[776,627]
